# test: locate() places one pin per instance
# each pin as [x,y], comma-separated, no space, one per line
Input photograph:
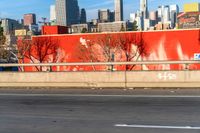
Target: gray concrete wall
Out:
[102,79]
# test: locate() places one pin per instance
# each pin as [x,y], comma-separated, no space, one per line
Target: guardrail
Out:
[104,78]
[186,62]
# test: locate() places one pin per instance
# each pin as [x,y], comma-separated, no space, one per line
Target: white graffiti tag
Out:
[167,76]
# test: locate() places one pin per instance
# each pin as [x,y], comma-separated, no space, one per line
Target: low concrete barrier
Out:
[163,79]
[101,79]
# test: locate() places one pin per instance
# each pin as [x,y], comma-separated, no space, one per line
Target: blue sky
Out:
[16,8]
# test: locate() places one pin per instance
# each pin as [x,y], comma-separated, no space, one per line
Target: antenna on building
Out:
[44,21]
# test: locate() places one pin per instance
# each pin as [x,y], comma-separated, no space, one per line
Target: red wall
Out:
[159,45]
[52,30]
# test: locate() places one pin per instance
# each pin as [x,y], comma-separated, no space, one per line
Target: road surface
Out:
[90,111]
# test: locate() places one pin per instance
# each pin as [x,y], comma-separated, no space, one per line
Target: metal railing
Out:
[186,62]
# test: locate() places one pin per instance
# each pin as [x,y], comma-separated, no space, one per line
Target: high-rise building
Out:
[168,15]
[147,24]
[104,15]
[83,18]
[144,14]
[159,10]
[67,12]
[174,10]
[139,20]
[52,13]
[153,17]
[112,16]
[164,14]
[10,25]
[30,23]
[29,19]
[118,10]
[144,9]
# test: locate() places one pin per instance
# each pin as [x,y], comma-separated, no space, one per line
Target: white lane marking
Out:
[96,95]
[158,127]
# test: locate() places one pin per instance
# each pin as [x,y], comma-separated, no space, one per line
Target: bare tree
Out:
[38,50]
[23,46]
[86,51]
[112,47]
[109,47]
[7,47]
[133,47]
[7,50]
[3,51]
[103,48]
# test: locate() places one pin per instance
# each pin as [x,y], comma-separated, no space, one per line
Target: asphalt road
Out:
[98,113]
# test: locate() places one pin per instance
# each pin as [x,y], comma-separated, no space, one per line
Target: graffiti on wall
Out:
[125,46]
[167,76]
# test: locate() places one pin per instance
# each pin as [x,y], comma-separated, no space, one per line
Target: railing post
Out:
[113,60]
[186,67]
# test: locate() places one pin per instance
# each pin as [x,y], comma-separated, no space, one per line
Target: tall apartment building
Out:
[67,12]
[119,10]
[29,19]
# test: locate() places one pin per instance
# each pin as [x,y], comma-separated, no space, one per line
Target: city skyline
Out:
[15,9]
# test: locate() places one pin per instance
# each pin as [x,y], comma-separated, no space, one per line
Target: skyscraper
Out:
[67,12]
[174,10]
[164,14]
[118,10]
[83,18]
[112,16]
[144,9]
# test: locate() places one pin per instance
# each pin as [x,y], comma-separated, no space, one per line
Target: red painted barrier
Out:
[126,46]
